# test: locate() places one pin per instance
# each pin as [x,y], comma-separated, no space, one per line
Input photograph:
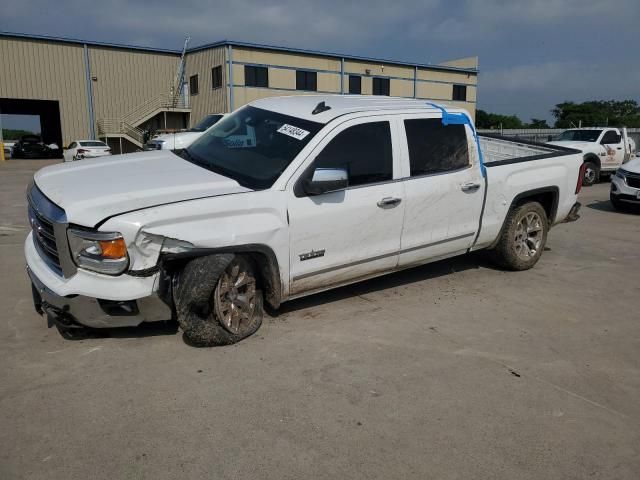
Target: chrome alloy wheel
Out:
[528,238]
[235,298]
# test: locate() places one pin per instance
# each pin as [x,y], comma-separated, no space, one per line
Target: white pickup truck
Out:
[283,198]
[180,140]
[604,149]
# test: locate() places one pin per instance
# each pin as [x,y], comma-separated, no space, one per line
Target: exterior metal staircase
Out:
[127,126]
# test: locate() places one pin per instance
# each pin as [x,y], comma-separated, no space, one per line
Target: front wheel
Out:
[591,173]
[523,237]
[218,301]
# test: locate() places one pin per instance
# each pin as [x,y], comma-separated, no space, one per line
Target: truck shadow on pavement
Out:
[401,278]
[606,206]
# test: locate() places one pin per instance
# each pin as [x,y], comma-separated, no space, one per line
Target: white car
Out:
[180,140]
[625,186]
[283,198]
[81,149]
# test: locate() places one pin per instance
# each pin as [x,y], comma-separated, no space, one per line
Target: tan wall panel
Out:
[378,69]
[281,78]
[127,79]
[208,100]
[451,77]
[38,70]
[244,95]
[438,91]
[295,60]
[401,88]
[328,82]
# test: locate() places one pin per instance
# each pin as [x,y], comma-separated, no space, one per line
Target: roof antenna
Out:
[321,107]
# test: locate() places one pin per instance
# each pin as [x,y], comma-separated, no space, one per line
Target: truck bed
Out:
[498,150]
[518,167]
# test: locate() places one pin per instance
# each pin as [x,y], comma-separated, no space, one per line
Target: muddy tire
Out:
[523,237]
[591,173]
[218,301]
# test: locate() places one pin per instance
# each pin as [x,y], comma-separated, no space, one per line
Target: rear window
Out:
[92,144]
[434,147]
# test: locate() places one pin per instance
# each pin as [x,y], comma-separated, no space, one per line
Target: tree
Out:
[597,113]
[538,123]
[495,120]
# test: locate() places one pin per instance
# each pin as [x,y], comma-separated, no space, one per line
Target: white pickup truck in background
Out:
[283,198]
[180,140]
[604,149]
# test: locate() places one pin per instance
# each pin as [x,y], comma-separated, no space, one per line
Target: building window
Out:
[355,84]
[306,80]
[381,86]
[256,76]
[193,85]
[364,151]
[434,147]
[216,77]
[460,93]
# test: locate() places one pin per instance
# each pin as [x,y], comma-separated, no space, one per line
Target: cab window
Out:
[434,147]
[363,150]
[610,137]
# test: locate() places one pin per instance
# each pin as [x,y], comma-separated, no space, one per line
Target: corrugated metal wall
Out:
[127,79]
[208,100]
[40,70]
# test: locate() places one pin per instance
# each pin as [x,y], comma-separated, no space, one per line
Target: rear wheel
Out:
[218,301]
[523,237]
[591,173]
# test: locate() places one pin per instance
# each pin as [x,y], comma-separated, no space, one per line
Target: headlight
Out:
[102,252]
[620,173]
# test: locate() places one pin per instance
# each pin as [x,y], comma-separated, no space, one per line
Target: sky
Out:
[533,53]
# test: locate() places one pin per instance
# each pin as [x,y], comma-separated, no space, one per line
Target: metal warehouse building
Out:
[83,89]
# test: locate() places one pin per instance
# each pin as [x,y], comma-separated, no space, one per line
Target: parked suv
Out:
[283,198]
[625,186]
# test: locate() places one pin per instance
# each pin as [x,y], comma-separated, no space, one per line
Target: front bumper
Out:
[623,192]
[126,301]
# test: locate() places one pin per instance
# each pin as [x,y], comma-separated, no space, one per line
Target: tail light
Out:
[82,150]
[583,167]
[108,150]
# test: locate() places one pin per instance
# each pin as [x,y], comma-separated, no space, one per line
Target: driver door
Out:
[354,233]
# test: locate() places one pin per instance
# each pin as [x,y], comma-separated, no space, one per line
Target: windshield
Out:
[205,123]
[579,136]
[92,144]
[252,146]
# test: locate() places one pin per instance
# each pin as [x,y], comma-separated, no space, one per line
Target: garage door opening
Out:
[29,115]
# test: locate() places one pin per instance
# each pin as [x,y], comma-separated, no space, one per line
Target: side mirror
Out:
[326,180]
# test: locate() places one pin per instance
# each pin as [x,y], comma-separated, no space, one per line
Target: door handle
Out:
[389,202]
[470,187]
[619,148]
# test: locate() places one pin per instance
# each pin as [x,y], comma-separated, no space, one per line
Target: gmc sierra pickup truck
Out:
[283,198]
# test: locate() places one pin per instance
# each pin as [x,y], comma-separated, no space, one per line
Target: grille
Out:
[633,181]
[44,236]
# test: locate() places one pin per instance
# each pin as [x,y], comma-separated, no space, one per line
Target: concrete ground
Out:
[454,370]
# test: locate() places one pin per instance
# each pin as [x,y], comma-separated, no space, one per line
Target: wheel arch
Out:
[262,255]
[592,157]
[548,197]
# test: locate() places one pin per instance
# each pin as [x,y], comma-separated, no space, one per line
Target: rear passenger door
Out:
[444,189]
[353,233]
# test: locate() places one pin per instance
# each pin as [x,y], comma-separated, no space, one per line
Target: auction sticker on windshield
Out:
[292,131]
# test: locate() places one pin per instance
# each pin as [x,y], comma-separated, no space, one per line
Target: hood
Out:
[177,140]
[632,166]
[583,146]
[92,190]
